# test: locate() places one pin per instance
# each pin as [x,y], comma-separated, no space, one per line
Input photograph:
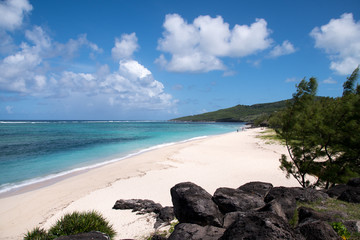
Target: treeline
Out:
[322,135]
[241,113]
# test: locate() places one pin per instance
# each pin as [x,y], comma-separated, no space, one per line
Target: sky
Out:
[162,59]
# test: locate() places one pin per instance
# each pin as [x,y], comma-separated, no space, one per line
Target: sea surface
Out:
[35,151]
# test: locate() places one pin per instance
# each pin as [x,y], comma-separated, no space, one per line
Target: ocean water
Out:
[34,151]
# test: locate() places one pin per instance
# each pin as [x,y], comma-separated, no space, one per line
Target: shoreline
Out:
[47,180]
[226,160]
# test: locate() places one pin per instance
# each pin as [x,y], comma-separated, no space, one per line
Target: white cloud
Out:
[69,49]
[125,46]
[12,13]
[340,39]
[30,71]
[288,80]
[24,70]
[9,109]
[198,46]
[329,81]
[284,49]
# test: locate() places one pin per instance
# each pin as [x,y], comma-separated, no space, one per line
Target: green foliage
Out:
[165,233]
[74,223]
[349,85]
[321,135]
[239,113]
[340,229]
[36,234]
[77,222]
[341,210]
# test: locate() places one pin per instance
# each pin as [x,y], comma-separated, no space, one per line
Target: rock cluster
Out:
[163,214]
[255,210]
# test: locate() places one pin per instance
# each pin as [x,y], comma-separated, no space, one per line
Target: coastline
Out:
[227,160]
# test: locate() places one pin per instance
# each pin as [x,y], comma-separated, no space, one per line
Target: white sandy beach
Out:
[228,160]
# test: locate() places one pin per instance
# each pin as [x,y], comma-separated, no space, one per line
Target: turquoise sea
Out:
[34,151]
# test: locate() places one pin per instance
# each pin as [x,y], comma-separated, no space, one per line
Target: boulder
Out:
[138,205]
[192,204]
[300,194]
[353,225]
[260,226]
[94,235]
[275,207]
[310,215]
[308,194]
[190,231]
[337,190]
[259,188]
[166,215]
[284,200]
[352,195]
[355,182]
[233,200]
[231,217]
[318,230]
[158,237]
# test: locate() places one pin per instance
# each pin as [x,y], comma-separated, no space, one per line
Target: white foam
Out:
[14,186]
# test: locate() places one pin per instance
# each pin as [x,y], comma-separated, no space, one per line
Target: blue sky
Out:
[157,60]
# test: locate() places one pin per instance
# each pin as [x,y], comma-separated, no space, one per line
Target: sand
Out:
[228,160]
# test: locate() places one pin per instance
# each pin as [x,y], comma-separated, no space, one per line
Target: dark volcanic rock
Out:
[190,231]
[284,199]
[232,200]
[310,215]
[94,235]
[337,190]
[352,194]
[355,182]
[192,204]
[138,205]
[259,188]
[308,194]
[166,215]
[231,217]
[353,225]
[158,237]
[300,194]
[260,226]
[277,208]
[318,230]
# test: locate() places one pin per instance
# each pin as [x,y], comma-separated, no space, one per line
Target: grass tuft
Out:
[74,223]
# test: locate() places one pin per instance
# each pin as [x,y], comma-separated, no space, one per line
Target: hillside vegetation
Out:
[239,113]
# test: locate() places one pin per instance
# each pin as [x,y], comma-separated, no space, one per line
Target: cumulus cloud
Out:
[24,71]
[340,39]
[125,46]
[28,72]
[198,46]
[284,49]
[69,49]
[12,13]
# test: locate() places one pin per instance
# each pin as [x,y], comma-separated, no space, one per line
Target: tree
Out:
[322,135]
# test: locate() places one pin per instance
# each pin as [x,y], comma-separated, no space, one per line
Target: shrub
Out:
[74,223]
[340,229]
[36,234]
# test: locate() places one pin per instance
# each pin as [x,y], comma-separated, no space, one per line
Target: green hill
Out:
[239,113]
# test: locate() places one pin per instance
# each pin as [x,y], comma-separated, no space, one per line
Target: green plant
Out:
[71,224]
[36,234]
[341,230]
[77,222]
[319,135]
